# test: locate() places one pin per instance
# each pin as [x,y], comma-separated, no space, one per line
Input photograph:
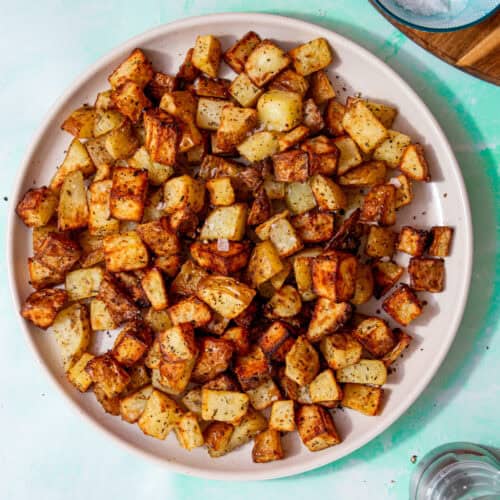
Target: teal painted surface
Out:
[47,451]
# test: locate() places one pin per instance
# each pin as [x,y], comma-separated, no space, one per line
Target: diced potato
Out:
[223,406]
[136,68]
[313,119]
[316,427]
[192,311]
[77,374]
[83,283]
[282,416]
[187,70]
[100,318]
[292,138]
[252,368]
[192,401]
[367,174]
[173,378]
[364,284]
[133,405]
[291,166]
[154,288]
[274,339]
[427,274]
[324,388]
[323,155]
[225,223]
[131,344]
[314,227]
[299,197]
[441,237]
[188,279]
[96,152]
[366,371]
[267,447]
[157,320]
[311,56]
[209,87]
[327,318]
[244,91]
[250,425]
[264,394]
[121,142]
[157,173]
[363,127]
[221,258]
[128,193]
[403,341]
[385,274]
[412,241]
[188,432]
[302,362]
[125,252]
[139,377]
[391,150]
[107,373]
[209,112]
[237,55]
[235,124]
[41,307]
[334,276]
[71,329]
[225,295]
[159,237]
[264,263]
[221,191]
[380,242]
[284,238]
[73,210]
[340,350]
[334,115]
[162,136]
[101,223]
[329,196]
[302,268]
[80,123]
[379,205]
[404,191]
[160,415]
[375,336]
[37,207]
[279,110]
[264,62]
[285,303]
[259,146]
[107,120]
[321,88]
[177,343]
[363,398]
[217,437]
[290,81]
[119,305]
[130,100]
[58,252]
[413,163]
[207,55]
[179,103]
[160,84]
[221,382]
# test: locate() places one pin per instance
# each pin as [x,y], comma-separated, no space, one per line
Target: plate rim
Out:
[252,18]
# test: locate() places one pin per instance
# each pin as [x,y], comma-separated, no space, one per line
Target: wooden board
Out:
[475,50]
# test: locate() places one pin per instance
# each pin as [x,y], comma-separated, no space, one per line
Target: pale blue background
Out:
[47,452]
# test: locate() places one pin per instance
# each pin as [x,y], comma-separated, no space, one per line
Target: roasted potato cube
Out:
[244,91]
[108,374]
[80,123]
[441,237]
[157,320]
[125,252]
[136,68]
[119,305]
[100,317]
[302,362]
[73,210]
[329,196]
[96,154]
[403,340]
[279,110]
[173,378]
[267,447]
[217,436]
[154,288]
[312,118]
[239,336]
[385,274]
[209,112]
[162,136]
[413,163]
[188,432]
[41,307]
[235,124]
[131,284]
[190,310]
[299,197]
[157,173]
[37,207]
[275,190]
[208,87]
[285,238]
[264,263]
[264,394]
[314,227]
[130,345]
[192,401]
[282,417]
[154,355]
[160,415]
[302,268]
[324,388]
[334,114]
[340,350]
[412,241]
[274,338]
[237,55]
[159,237]
[130,100]
[187,70]
[139,377]
[223,406]
[263,230]
[181,104]
[128,193]
[285,303]
[327,318]
[133,405]
[426,274]
[40,233]
[264,62]
[375,336]
[188,279]
[103,101]
[221,191]
[252,368]
[159,85]
[83,283]
[391,150]
[380,242]
[349,155]
[177,343]
[110,405]
[311,56]
[215,356]
[121,142]
[363,398]
[323,155]
[259,146]
[365,371]
[250,425]
[404,191]
[321,88]
[225,223]
[222,382]
[363,126]
[292,138]
[367,174]
[290,81]
[379,205]
[207,55]
[77,374]
[334,276]
[219,257]
[364,284]
[316,427]
[58,252]
[100,221]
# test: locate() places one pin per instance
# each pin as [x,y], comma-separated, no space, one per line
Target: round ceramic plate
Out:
[441,202]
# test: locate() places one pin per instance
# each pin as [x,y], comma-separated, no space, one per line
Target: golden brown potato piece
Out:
[133,405]
[108,374]
[267,447]
[239,336]
[412,241]
[349,157]
[321,88]
[130,100]
[403,340]
[131,344]
[282,416]
[188,279]
[366,371]
[413,163]
[187,70]
[273,338]
[223,406]
[162,136]
[364,284]
[222,382]
[392,149]
[290,81]
[292,138]
[188,432]
[313,118]
[237,55]
[334,115]
[225,260]
[252,368]
[291,166]
[177,343]
[367,174]
[325,388]
[101,223]
[380,242]
[379,205]
[73,210]
[125,252]
[264,62]
[323,155]
[120,143]
[363,398]
[235,124]
[385,274]
[110,405]
[80,123]
[340,350]
[403,305]
[37,206]
[41,307]
[311,56]
[77,374]
[173,378]
[154,288]
[327,318]
[128,193]
[159,85]
[58,252]
[375,336]
[118,304]
[207,55]
[221,191]
[215,356]
[136,68]
[159,237]
[441,237]
[263,396]
[302,362]
[244,91]
[217,436]
[329,196]
[316,427]
[427,274]
[192,311]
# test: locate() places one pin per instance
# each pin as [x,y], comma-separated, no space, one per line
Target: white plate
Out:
[443,201]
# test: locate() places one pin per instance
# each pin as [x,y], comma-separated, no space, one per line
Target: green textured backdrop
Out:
[47,451]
